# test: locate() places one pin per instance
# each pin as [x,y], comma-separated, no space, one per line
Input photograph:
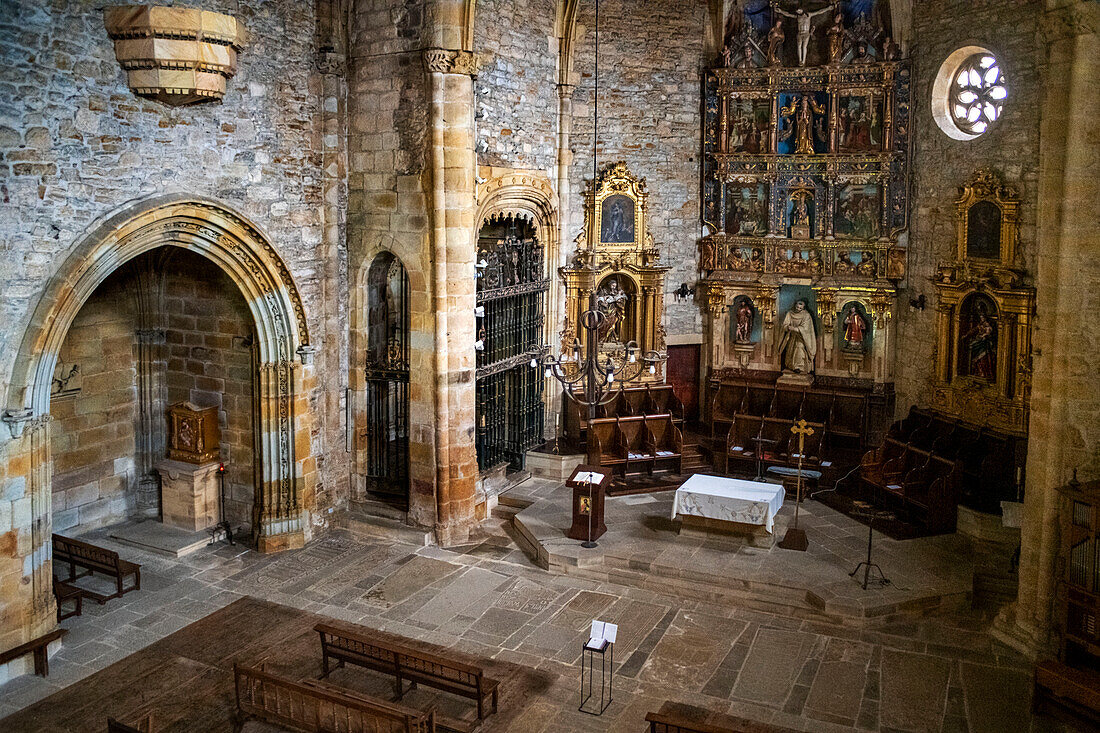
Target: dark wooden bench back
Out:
[84,553]
[603,441]
[849,414]
[817,407]
[758,401]
[662,400]
[788,404]
[744,429]
[811,444]
[727,401]
[666,436]
[778,430]
[632,433]
[319,707]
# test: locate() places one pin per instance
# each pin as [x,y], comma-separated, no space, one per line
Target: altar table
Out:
[728,500]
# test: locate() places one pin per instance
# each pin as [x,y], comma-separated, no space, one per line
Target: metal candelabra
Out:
[602,379]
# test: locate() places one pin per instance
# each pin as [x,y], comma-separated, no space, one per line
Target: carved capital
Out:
[331,62]
[306,354]
[17,420]
[446,61]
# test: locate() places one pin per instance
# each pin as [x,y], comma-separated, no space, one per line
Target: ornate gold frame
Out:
[1003,403]
[984,185]
[638,261]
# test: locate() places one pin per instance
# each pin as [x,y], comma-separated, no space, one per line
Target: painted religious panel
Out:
[750,122]
[747,209]
[977,355]
[799,261]
[745,259]
[983,230]
[617,220]
[803,120]
[859,126]
[858,209]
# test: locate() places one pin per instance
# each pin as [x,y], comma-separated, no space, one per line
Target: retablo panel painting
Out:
[747,210]
[983,231]
[858,208]
[617,220]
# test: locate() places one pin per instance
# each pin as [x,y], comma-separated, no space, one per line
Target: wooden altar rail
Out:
[666,723]
[316,707]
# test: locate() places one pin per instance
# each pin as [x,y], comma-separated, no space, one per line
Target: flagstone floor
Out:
[937,673]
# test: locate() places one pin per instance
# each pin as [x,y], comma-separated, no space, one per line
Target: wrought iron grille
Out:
[511,297]
[387,379]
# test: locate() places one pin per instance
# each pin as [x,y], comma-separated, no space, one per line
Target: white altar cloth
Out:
[728,499]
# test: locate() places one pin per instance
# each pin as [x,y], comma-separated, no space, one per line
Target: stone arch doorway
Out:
[384,441]
[286,472]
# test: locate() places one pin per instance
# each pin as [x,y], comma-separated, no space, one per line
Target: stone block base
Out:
[556,466]
[188,494]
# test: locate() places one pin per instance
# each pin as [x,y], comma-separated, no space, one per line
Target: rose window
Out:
[977,94]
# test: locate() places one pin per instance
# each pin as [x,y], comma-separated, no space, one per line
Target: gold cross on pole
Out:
[801,429]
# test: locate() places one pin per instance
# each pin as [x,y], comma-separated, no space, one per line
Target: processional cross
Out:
[796,538]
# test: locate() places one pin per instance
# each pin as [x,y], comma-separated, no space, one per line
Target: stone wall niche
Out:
[178,56]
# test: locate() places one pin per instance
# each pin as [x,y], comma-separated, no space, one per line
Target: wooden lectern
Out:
[588,484]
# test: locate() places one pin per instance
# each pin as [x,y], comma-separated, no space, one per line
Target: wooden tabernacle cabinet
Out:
[193,433]
[1078,599]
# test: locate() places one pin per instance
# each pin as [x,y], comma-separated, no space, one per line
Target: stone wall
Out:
[941,164]
[93,425]
[515,95]
[651,63]
[387,207]
[209,335]
[76,144]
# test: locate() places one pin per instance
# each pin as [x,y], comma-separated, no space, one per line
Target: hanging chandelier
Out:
[600,379]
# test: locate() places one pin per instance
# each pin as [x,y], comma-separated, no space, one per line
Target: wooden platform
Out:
[186,679]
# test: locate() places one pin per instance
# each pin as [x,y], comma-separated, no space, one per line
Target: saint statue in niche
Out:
[854,329]
[983,231]
[617,220]
[799,117]
[798,344]
[775,43]
[978,343]
[744,314]
[612,301]
[837,36]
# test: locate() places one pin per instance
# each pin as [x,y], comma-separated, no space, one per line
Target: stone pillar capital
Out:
[447,61]
[17,420]
[566,90]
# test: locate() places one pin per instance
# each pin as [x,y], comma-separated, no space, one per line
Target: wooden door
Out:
[683,374]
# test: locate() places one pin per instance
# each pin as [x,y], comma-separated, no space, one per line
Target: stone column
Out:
[27,607]
[555,308]
[1063,431]
[152,403]
[453,167]
[283,452]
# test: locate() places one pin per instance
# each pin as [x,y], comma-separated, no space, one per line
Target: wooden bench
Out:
[146,726]
[318,708]
[405,663]
[67,593]
[672,723]
[39,647]
[1077,690]
[921,483]
[96,559]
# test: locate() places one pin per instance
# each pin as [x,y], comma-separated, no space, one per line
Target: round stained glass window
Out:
[977,95]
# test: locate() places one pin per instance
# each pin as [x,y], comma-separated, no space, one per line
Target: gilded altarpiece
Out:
[805,190]
[617,260]
[985,313]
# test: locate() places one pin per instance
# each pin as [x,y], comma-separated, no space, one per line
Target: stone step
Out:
[386,528]
[378,508]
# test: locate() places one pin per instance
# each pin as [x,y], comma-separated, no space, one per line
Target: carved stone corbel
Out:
[16,420]
[447,61]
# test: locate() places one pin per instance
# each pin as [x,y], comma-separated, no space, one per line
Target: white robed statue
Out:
[798,344]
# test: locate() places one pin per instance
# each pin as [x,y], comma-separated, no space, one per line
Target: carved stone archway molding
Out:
[245,254]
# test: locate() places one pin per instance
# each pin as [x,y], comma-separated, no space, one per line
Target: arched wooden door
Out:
[387,380]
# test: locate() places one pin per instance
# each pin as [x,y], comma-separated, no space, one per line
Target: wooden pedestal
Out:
[588,497]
